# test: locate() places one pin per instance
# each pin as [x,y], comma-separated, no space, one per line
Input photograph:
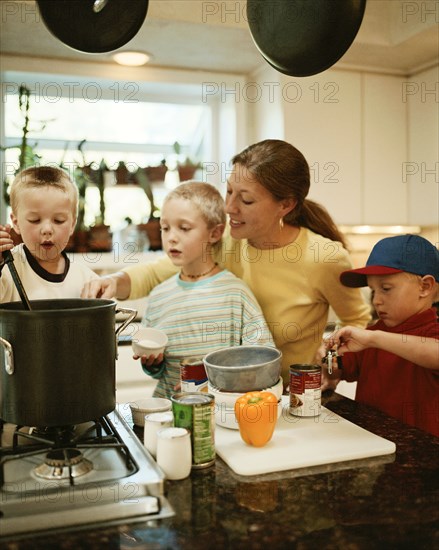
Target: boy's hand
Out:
[151,360]
[329,379]
[6,243]
[351,339]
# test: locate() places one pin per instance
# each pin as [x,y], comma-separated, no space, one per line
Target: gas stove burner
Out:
[54,432]
[57,434]
[44,484]
[63,464]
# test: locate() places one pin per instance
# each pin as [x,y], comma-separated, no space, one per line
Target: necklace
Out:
[201,274]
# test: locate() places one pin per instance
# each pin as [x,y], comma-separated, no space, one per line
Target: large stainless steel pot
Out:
[57,361]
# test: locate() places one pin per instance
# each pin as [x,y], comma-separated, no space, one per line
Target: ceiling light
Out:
[132,59]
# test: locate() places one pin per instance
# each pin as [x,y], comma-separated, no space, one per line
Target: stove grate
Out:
[97,434]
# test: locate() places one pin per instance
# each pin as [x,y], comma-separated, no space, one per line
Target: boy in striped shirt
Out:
[203,307]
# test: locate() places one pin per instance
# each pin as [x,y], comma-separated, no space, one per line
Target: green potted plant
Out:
[82,177]
[187,167]
[156,173]
[152,226]
[123,175]
[100,238]
[27,155]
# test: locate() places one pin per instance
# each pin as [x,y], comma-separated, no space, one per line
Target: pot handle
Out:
[132,313]
[9,356]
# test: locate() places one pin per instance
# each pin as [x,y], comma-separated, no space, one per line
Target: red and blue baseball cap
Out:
[410,253]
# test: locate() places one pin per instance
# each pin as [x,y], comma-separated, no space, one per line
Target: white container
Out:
[225,404]
[149,341]
[148,405]
[153,423]
[174,452]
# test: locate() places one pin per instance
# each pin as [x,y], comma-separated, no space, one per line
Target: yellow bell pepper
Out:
[256,413]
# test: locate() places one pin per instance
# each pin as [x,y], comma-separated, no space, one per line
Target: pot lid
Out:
[93,26]
[304,37]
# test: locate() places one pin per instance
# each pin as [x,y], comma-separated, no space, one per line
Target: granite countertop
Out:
[383,502]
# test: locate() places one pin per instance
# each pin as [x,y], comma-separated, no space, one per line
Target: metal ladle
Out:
[9,259]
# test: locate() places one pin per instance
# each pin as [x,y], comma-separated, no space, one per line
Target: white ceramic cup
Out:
[174,452]
[153,423]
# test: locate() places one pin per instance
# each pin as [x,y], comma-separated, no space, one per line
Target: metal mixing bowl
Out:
[243,368]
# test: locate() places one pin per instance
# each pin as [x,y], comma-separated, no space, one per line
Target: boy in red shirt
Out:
[395,361]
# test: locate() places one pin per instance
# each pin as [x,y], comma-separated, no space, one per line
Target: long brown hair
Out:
[284,172]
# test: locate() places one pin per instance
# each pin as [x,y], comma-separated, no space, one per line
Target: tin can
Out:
[193,375]
[195,412]
[305,390]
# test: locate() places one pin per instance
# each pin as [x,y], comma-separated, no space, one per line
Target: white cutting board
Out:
[299,443]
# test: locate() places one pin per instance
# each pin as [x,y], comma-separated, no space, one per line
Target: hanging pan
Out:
[304,37]
[93,26]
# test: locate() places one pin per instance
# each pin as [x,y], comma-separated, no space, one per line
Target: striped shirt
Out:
[200,317]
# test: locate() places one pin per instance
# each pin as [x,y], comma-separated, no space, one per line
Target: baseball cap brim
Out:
[358,277]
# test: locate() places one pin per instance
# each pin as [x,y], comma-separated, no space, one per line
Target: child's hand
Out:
[330,375]
[351,339]
[149,361]
[320,354]
[6,243]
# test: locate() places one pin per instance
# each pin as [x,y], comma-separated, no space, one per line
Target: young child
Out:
[44,203]
[396,361]
[204,307]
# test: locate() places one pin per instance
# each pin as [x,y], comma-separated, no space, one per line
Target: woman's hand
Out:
[104,287]
[321,353]
[6,243]
[330,381]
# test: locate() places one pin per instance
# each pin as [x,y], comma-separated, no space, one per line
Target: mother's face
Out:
[254,213]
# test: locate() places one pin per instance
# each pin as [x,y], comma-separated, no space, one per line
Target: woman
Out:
[285,247]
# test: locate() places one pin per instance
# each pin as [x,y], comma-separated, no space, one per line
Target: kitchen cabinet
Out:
[324,122]
[384,194]
[421,172]
[355,153]
[370,139]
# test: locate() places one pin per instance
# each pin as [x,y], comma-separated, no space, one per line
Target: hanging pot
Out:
[93,26]
[304,37]
[57,361]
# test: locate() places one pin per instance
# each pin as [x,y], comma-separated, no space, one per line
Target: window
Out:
[139,129]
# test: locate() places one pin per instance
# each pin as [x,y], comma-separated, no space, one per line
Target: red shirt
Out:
[394,385]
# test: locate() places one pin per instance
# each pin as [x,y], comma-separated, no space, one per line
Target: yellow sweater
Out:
[294,285]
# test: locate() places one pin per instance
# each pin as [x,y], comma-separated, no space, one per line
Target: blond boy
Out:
[44,202]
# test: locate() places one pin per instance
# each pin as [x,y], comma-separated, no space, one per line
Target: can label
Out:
[305,390]
[195,412]
[193,375]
